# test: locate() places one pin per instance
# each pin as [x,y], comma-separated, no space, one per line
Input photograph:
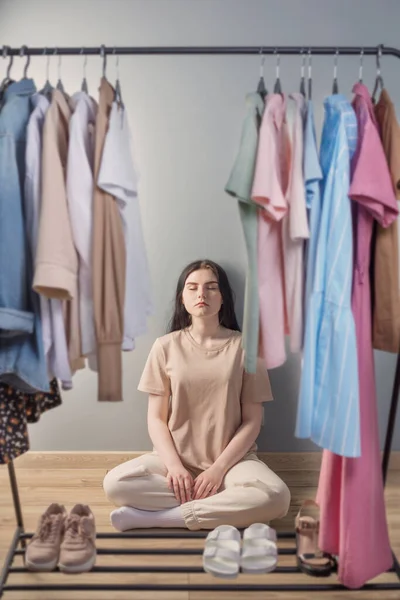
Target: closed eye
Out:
[211,285]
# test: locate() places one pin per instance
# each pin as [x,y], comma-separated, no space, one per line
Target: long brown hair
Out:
[181,318]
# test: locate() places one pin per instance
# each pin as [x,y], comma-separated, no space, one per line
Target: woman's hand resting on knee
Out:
[181,483]
[208,482]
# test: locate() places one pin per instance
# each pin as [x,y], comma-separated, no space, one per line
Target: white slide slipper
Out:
[259,550]
[221,556]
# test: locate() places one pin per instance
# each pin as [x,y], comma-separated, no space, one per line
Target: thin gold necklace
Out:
[188,330]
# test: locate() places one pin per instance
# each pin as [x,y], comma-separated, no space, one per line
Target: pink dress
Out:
[350,492]
[269,191]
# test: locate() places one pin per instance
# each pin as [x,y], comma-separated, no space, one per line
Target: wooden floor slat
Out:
[77,477]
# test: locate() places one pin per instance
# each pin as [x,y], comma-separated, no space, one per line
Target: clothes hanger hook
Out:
[84,61]
[378,60]
[309,74]
[59,65]
[7,49]
[335,63]
[104,56]
[84,86]
[47,63]
[118,95]
[335,88]
[302,73]
[262,61]
[303,63]
[55,52]
[360,72]
[278,61]
[22,52]
[116,61]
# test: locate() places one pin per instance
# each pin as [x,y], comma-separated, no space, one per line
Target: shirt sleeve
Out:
[56,267]
[267,190]
[395,159]
[117,174]
[256,387]
[371,184]
[242,174]
[154,378]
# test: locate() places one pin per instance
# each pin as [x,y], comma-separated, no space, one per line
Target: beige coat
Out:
[109,265]
[386,314]
[56,264]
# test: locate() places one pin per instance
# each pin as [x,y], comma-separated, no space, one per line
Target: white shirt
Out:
[53,328]
[118,177]
[80,204]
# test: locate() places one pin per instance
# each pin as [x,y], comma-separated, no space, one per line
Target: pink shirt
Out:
[269,191]
[295,230]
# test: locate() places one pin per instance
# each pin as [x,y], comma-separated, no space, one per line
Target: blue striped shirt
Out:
[312,179]
[328,409]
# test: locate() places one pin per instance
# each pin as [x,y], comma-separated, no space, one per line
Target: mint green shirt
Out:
[239,186]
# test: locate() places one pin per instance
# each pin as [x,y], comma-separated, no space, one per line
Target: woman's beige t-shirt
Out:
[207,388]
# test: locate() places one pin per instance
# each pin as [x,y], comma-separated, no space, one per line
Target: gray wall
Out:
[186,115]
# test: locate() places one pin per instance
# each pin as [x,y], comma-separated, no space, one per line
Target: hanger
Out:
[309,75]
[22,53]
[379,78]
[335,86]
[302,73]
[7,80]
[118,94]
[104,56]
[59,85]
[47,90]
[360,71]
[261,89]
[84,86]
[277,86]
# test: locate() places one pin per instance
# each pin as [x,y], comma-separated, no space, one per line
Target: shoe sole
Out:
[50,566]
[87,566]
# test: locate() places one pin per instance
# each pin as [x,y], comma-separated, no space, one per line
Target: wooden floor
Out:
[69,478]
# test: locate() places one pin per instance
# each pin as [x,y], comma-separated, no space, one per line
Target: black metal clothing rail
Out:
[18,543]
[179,50]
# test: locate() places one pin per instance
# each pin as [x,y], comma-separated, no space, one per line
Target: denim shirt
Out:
[22,362]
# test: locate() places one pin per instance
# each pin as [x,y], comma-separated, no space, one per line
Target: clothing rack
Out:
[18,543]
[176,50]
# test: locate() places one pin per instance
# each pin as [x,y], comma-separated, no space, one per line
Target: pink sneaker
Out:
[43,550]
[78,550]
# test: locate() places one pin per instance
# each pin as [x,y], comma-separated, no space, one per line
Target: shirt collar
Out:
[384,99]
[299,100]
[360,90]
[276,104]
[312,169]
[39,101]
[25,87]
[62,102]
[337,101]
[255,102]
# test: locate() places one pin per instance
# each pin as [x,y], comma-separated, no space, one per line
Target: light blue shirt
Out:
[328,409]
[312,182]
